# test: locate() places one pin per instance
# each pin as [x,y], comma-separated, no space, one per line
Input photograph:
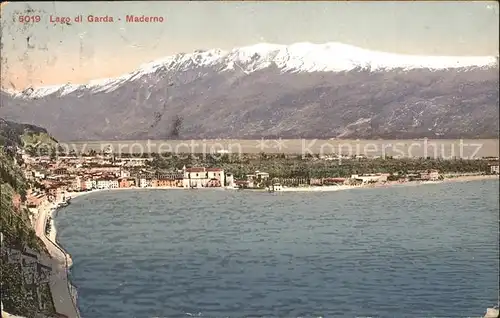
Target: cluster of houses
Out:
[54,178]
[60,179]
[196,177]
[56,181]
[494,169]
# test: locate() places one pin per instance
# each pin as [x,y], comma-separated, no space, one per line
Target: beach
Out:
[319,188]
[471,178]
[388,184]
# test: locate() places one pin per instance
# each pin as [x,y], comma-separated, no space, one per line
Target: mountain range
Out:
[302,90]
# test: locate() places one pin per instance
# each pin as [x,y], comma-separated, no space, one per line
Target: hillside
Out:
[22,135]
[298,91]
[24,290]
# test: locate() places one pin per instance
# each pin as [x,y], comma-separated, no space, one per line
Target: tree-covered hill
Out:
[21,251]
[16,134]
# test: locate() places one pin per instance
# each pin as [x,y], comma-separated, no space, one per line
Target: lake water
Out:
[419,251]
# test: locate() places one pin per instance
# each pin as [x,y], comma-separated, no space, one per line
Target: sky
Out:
[46,53]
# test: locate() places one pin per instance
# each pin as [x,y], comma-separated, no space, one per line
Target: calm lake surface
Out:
[416,251]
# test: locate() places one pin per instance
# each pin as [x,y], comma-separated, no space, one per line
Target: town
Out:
[54,178]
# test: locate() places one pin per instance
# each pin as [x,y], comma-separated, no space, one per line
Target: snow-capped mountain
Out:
[295,58]
[300,90]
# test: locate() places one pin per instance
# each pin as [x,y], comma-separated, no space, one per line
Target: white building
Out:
[194,177]
[256,178]
[370,177]
[114,184]
[107,184]
[200,177]
[90,184]
[432,175]
[143,183]
[277,187]
[229,180]
[38,175]
[216,174]
[494,169]
[124,174]
[77,184]
[262,175]
[102,184]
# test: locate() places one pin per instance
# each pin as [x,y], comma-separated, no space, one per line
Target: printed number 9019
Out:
[29,18]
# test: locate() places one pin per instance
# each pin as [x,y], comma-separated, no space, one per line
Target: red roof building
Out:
[195,169]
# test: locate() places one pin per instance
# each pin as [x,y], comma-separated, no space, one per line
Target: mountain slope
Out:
[17,134]
[18,281]
[302,90]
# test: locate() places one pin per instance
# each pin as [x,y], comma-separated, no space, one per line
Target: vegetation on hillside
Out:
[24,292]
[32,138]
[15,224]
[17,299]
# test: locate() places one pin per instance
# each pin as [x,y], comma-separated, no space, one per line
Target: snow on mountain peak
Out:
[295,58]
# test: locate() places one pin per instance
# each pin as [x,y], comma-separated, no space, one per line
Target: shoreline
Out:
[387,184]
[390,184]
[63,292]
[471,178]
[83,193]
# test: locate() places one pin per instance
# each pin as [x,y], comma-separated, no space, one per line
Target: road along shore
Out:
[62,291]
